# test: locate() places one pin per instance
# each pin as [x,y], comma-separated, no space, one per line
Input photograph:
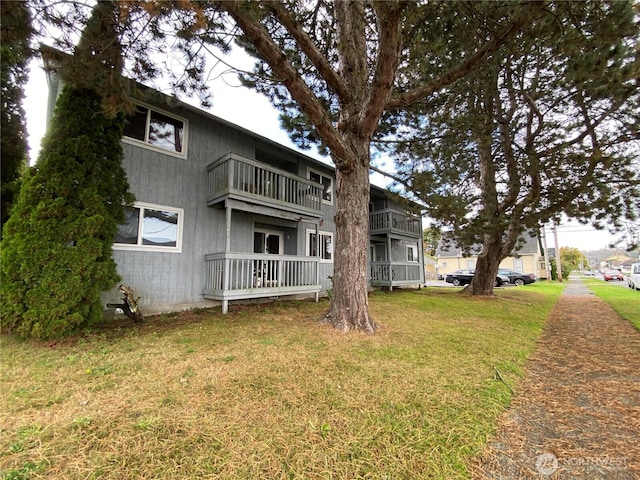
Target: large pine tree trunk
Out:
[486,267]
[349,307]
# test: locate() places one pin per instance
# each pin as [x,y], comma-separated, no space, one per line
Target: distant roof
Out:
[447,247]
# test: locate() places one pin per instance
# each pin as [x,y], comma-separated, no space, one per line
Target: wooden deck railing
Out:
[387,273]
[385,221]
[248,179]
[235,276]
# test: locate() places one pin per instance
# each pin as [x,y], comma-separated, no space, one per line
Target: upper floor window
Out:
[327,183]
[151,227]
[156,129]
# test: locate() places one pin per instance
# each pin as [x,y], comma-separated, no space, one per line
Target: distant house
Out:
[430,268]
[223,214]
[527,258]
[619,261]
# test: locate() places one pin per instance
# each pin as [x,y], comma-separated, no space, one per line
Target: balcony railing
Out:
[389,221]
[235,276]
[390,274]
[245,179]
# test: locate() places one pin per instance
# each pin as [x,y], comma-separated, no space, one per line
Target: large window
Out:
[151,227]
[327,183]
[156,129]
[325,245]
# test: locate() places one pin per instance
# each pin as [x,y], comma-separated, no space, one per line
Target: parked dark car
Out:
[464,277]
[612,275]
[517,278]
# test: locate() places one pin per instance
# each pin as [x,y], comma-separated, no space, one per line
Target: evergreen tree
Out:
[56,250]
[548,126]
[56,254]
[15,21]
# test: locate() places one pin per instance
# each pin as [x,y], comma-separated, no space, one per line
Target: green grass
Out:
[625,301]
[266,392]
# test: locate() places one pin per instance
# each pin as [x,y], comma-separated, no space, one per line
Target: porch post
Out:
[227,260]
[318,257]
[389,262]
[227,246]
[423,274]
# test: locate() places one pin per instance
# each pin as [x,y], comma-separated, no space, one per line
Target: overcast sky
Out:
[252,111]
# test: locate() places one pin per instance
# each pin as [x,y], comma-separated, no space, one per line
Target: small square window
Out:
[165,132]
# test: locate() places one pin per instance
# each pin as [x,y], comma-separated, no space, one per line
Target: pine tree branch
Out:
[289,76]
[325,69]
[408,98]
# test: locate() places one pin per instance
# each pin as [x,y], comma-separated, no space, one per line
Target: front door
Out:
[265,241]
[266,271]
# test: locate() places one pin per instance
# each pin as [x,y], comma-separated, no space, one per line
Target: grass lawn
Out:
[623,300]
[266,392]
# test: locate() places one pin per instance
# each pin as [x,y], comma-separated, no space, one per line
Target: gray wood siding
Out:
[166,281]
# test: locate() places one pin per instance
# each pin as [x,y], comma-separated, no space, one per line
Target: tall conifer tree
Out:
[56,253]
[15,20]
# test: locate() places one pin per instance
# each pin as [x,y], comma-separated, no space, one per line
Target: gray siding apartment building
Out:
[223,214]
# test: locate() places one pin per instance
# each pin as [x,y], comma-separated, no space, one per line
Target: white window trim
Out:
[148,146]
[308,244]
[414,249]
[333,182]
[154,248]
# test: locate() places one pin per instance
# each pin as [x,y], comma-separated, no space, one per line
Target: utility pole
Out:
[547,266]
[558,265]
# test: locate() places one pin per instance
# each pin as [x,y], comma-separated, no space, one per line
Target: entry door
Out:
[266,271]
[267,242]
[378,252]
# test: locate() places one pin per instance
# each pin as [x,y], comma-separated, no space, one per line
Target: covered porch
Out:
[241,275]
[388,274]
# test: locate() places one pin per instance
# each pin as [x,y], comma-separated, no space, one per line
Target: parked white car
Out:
[633,280]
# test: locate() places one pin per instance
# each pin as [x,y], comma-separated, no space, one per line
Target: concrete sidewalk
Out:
[576,413]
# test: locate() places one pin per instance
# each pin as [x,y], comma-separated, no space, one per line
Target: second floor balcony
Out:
[239,178]
[390,221]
